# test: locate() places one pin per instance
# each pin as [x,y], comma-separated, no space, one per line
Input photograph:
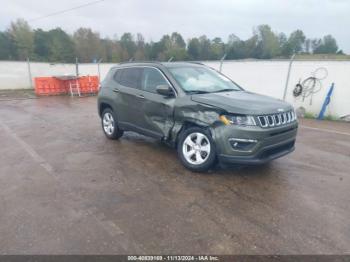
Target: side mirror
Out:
[165,90]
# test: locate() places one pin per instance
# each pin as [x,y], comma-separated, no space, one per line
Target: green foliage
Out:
[295,44]
[268,43]
[328,45]
[309,115]
[41,44]
[129,46]
[217,48]
[87,44]
[22,37]
[193,49]
[19,41]
[330,118]
[5,46]
[61,46]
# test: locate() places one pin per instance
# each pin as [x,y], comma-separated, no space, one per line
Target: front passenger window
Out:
[151,79]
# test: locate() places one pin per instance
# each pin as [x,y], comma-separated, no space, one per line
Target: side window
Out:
[116,76]
[151,79]
[130,77]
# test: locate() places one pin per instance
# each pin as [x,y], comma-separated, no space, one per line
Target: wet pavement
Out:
[66,189]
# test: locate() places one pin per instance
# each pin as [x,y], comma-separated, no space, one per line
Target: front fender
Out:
[198,115]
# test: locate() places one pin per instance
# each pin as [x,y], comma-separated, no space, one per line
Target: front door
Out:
[157,117]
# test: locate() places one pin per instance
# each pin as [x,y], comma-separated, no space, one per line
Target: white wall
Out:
[264,77]
[269,78]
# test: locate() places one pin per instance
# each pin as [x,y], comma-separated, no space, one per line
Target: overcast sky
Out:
[153,18]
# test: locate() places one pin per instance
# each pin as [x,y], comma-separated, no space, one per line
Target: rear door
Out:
[157,110]
[128,101]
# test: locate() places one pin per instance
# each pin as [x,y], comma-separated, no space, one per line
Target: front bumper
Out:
[271,143]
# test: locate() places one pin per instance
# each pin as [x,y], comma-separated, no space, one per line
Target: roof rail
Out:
[159,63]
[134,62]
[195,62]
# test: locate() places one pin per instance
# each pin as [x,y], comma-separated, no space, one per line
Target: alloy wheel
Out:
[108,123]
[196,148]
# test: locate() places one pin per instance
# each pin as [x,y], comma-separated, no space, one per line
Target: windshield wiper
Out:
[225,90]
[197,92]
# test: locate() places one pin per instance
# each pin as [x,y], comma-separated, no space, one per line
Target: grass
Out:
[328,117]
[322,57]
[309,115]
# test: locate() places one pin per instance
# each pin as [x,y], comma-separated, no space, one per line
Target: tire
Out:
[109,124]
[196,149]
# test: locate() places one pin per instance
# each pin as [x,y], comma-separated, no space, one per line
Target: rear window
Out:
[130,77]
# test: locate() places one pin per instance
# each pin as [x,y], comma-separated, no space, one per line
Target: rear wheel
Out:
[109,124]
[196,149]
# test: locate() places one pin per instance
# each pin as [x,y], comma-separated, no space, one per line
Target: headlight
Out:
[238,120]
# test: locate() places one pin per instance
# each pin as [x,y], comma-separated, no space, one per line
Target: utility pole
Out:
[98,69]
[29,74]
[288,75]
[222,61]
[76,67]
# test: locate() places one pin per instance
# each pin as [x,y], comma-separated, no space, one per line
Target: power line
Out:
[65,11]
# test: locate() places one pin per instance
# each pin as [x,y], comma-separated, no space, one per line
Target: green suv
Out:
[197,110]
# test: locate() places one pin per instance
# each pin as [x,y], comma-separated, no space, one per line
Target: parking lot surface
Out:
[66,189]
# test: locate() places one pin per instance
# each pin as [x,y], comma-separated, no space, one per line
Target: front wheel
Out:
[109,124]
[196,149]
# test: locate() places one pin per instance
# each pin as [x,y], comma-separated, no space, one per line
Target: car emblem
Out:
[280,110]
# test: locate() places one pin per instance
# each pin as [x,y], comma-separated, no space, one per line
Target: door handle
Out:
[141,96]
[116,90]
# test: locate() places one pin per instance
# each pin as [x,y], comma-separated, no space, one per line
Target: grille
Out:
[275,120]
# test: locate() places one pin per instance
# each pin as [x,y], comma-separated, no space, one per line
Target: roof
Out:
[157,63]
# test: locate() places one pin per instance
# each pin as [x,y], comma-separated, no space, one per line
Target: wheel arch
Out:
[188,124]
[102,106]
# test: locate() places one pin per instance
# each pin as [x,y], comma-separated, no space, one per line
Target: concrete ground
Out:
[66,189]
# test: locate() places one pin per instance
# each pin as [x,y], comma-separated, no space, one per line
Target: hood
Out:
[242,102]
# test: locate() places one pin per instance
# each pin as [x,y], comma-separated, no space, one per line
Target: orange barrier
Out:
[49,86]
[88,84]
[55,86]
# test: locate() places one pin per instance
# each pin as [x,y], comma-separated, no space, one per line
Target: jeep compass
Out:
[197,110]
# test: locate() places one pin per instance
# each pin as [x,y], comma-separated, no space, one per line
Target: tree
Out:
[204,51]
[128,45]
[296,42]
[177,41]
[87,45]
[61,46]
[235,48]
[217,48]
[140,45]
[41,44]
[328,45]
[315,43]
[5,46]
[170,46]
[307,46]
[268,44]
[23,38]
[177,48]
[251,48]
[111,50]
[193,49]
[19,42]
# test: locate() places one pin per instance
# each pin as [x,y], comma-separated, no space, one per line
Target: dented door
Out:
[157,117]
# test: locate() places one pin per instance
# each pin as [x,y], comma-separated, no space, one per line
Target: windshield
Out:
[194,79]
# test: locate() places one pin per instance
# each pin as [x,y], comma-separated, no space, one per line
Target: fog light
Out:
[240,144]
